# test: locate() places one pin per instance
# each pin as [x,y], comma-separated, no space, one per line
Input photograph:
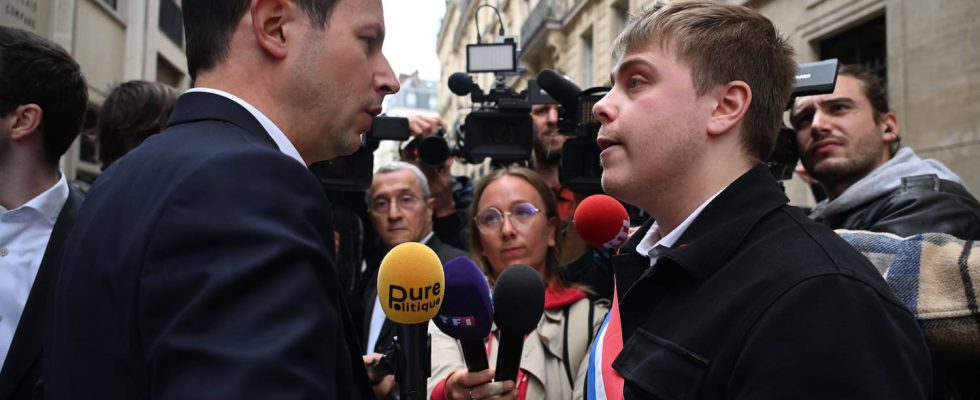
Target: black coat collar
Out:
[718,231]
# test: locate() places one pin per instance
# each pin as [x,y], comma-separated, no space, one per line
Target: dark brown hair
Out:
[134,111]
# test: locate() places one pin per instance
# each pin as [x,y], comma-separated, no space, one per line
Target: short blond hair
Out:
[723,43]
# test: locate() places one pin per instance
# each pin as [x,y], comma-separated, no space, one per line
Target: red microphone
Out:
[601,221]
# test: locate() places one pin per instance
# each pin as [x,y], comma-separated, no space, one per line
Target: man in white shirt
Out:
[202,264]
[43,97]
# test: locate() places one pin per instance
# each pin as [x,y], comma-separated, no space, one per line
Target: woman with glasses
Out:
[515,222]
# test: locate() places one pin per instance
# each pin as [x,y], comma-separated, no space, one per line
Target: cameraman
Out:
[451,194]
[547,154]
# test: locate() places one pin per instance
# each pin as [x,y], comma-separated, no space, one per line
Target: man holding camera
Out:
[849,141]
[729,292]
[202,263]
[548,144]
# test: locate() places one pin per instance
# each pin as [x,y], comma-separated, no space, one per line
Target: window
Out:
[864,44]
[587,55]
[171,23]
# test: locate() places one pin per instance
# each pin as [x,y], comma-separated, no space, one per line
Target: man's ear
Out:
[26,121]
[733,99]
[269,20]
[889,128]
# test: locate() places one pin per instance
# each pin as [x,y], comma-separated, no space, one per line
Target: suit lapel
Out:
[23,360]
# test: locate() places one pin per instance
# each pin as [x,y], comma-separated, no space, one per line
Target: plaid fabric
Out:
[935,275]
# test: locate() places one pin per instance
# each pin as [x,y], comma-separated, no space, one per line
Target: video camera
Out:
[579,169]
[353,173]
[811,79]
[500,128]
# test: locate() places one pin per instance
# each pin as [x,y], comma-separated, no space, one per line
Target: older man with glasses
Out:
[400,208]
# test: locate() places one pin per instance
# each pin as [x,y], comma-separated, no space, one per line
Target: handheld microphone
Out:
[562,90]
[518,301]
[410,289]
[601,221]
[467,311]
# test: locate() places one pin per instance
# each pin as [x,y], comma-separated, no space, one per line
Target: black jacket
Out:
[22,369]
[202,266]
[923,204]
[756,301]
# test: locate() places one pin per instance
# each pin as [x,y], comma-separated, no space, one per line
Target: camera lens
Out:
[433,151]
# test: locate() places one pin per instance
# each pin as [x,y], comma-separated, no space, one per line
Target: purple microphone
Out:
[467,310]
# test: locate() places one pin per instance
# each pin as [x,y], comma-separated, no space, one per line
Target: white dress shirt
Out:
[24,234]
[653,245]
[274,132]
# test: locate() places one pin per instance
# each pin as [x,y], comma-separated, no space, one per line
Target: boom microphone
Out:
[410,289]
[467,311]
[601,221]
[518,301]
[562,90]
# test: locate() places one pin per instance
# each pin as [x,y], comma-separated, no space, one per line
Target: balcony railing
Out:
[546,11]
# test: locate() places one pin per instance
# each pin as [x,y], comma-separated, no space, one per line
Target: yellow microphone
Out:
[411,285]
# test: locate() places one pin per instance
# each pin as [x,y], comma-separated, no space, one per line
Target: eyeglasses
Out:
[406,202]
[491,220]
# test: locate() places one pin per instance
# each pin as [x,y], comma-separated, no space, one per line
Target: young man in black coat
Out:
[731,293]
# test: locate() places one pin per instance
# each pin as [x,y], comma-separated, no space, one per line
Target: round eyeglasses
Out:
[491,220]
[405,202]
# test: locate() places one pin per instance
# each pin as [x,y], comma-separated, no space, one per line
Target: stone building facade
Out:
[925,50]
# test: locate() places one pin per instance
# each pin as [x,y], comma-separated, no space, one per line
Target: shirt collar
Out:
[274,132]
[653,244]
[49,202]
[425,239]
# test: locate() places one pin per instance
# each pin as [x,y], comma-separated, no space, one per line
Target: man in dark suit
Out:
[43,97]
[202,264]
[400,206]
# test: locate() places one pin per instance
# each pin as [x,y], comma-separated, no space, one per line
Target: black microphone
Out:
[461,84]
[562,90]
[518,302]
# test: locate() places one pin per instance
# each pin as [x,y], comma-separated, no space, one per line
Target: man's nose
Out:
[604,110]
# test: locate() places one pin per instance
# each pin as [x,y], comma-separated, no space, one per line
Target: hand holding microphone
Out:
[410,288]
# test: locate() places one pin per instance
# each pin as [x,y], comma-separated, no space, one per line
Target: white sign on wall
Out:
[19,14]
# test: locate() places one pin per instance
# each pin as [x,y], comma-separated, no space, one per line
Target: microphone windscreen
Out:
[518,299]
[410,283]
[467,310]
[601,221]
[460,84]
[562,90]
